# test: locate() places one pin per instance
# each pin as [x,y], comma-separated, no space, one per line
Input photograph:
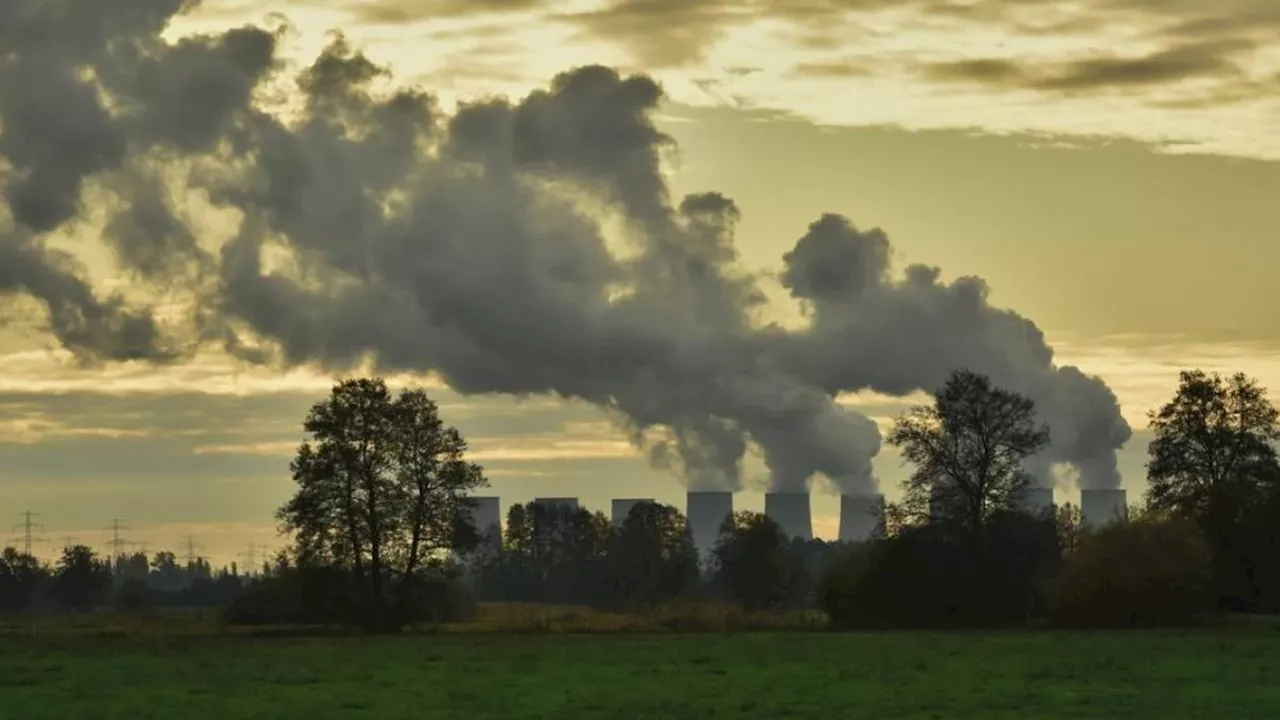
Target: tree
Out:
[1213,454]
[133,566]
[553,554]
[1149,571]
[82,579]
[968,448]
[1070,525]
[20,578]
[752,562]
[165,574]
[1213,460]
[653,556]
[382,489]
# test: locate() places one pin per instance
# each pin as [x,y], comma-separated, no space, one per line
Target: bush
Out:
[841,582]
[929,577]
[319,596]
[133,596]
[1152,572]
[443,600]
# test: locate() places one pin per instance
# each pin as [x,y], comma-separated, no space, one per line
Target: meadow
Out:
[582,668]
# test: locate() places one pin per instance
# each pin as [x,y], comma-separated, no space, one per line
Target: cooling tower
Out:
[1036,500]
[860,515]
[622,508]
[791,511]
[486,514]
[706,512]
[1102,507]
[571,503]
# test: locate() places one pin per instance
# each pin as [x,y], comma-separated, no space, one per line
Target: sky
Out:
[1105,166]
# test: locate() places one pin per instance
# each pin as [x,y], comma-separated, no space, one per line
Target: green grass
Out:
[1191,674]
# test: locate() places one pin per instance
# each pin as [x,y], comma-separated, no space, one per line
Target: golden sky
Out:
[1108,166]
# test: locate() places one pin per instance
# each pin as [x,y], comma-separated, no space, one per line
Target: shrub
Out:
[443,600]
[840,585]
[1151,572]
[927,576]
[133,596]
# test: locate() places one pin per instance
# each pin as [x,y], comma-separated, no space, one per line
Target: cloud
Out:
[834,69]
[663,33]
[400,12]
[522,247]
[1212,60]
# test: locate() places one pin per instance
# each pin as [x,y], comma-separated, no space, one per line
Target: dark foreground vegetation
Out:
[382,538]
[992,675]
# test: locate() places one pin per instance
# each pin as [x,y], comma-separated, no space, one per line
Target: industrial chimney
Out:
[622,508]
[706,511]
[860,515]
[791,511]
[486,515]
[1100,507]
[571,503]
[1037,500]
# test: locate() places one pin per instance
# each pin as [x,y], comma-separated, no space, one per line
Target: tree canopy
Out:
[968,448]
[383,490]
[1214,448]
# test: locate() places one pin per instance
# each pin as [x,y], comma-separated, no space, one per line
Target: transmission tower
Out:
[117,542]
[28,528]
[192,554]
[251,555]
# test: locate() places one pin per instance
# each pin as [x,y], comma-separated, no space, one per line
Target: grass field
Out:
[1190,674]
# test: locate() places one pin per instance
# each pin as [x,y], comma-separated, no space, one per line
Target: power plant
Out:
[571,503]
[706,511]
[860,516]
[486,515]
[791,511]
[1037,500]
[1100,507]
[622,508]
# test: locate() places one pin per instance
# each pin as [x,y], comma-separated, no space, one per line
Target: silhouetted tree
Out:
[133,566]
[1213,460]
[21,577]
[165,574]
[1214,449]
[552,553]
[653,556]
[751,561]
[382,487]
[968,448]
[133,595]
[1070,526]
[82,579]
[1149,571]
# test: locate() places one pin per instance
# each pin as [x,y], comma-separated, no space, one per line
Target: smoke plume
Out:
[369,223]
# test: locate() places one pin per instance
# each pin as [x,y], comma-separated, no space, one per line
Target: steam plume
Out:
[371,223]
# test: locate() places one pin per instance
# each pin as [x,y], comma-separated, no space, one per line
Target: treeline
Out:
[556,554]
[382,505]
[382,536]
[82,581]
